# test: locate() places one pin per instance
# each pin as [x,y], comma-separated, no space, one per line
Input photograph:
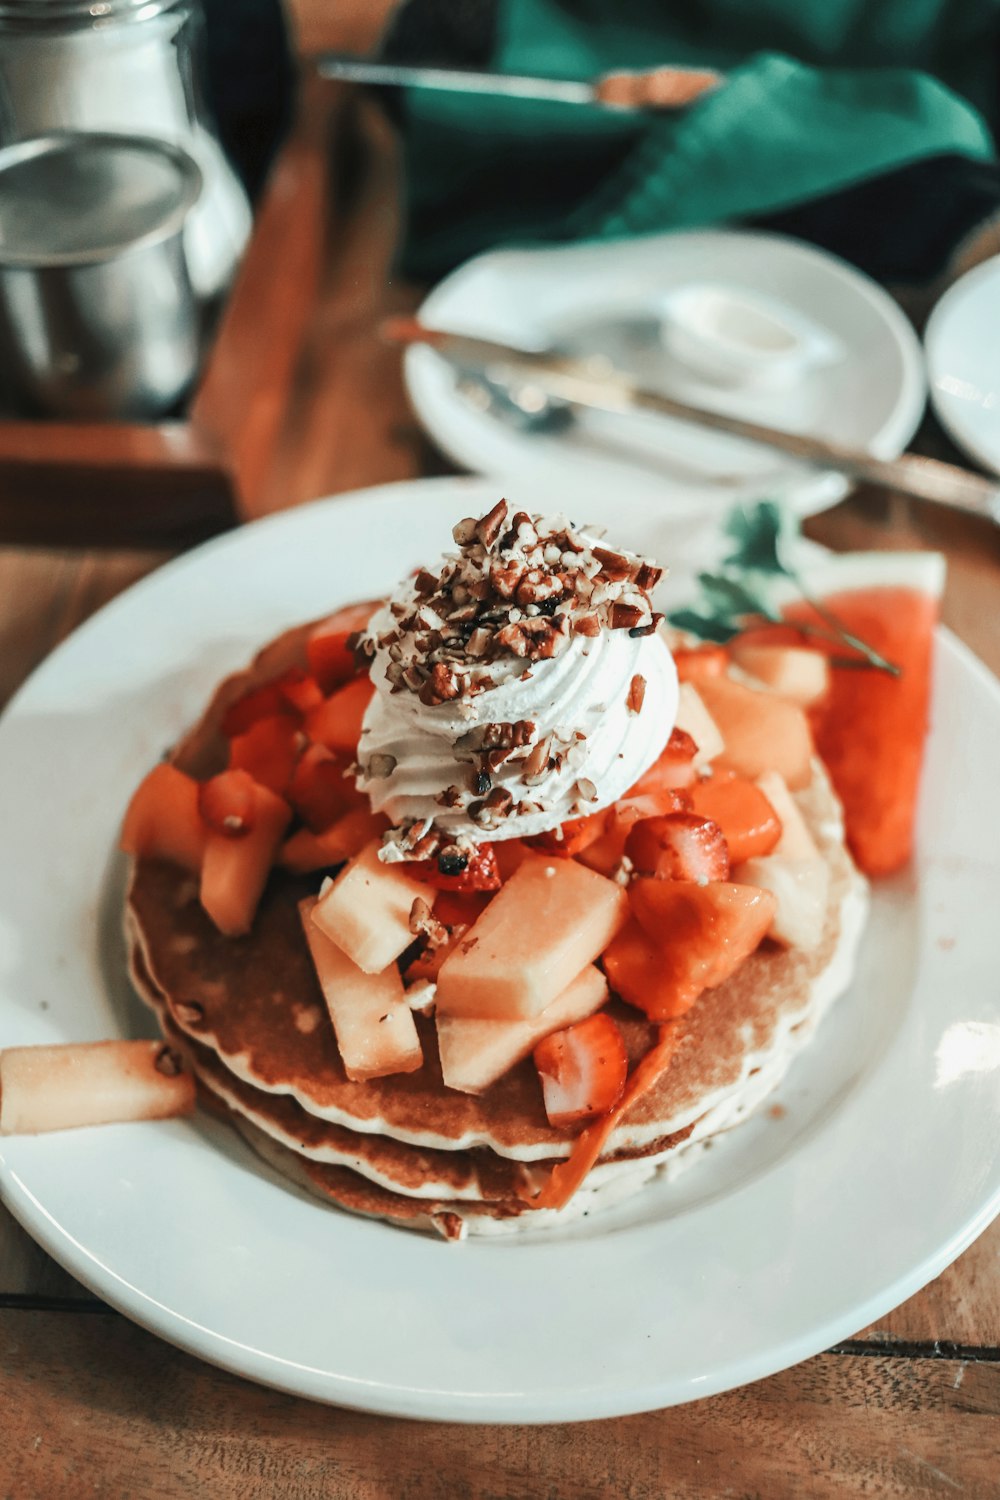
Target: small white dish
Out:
[606,299]
[792,1235]
[737,337]
[962,343]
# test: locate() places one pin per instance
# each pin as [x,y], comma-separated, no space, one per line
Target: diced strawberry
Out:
[572,837]
[685,938]
[336,722]
[306,851]
[319,789]
[510,853]
[679,846]
[457,911]
[695,663]
[749,822]
[163,821]
[261,703]
[481,872]
[269,751]
[226,803]
[330,661]
[673,770]
[582,1070]
[606,853]
[300,691]
[234,871]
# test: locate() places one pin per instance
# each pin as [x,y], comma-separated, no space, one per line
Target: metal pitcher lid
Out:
[70,199]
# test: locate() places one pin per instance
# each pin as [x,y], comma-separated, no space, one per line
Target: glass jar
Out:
[130,66]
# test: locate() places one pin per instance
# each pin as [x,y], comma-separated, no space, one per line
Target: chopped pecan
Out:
[505,577]
[512,638]
[626,616]
[380,766]
[636,693]
[589,624]
[647,577]
[489,527]
[648,628]
[614,565]
[425,582]
[464,531]
[499,801]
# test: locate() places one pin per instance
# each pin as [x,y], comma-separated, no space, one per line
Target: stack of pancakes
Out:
[250,1015]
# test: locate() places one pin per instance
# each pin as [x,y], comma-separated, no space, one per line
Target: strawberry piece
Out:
[306,851]
[268,751]
[163,821]
[695,663]
[673,770]
[330,660]
[481,873]
[460,908]
[606,853]
[320,791]
[679,846]
[261,703]
[749,822]
[582,1070]
[511,854]
[300,691]
[336,722]
[572,837]
[566,1176]
[234,871]
[226,803]
[871,728]
[685,938]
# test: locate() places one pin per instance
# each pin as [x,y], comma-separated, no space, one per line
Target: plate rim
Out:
[949,413]
[330,1387]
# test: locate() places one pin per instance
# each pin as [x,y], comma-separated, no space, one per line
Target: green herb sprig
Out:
[735,597]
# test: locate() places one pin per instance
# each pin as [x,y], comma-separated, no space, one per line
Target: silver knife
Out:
[599,386]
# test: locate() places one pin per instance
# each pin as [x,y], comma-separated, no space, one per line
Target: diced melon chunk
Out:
[306,851]
[551,919]
[371,1019]
[234,869]
[91,1083]
[475,1053]
[694,718]
[794,672]
[762,732]
[366,911]
[795,873]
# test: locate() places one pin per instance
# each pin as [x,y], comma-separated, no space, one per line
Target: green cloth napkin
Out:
[817,97]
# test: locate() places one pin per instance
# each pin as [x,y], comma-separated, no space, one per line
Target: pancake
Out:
[254,1023]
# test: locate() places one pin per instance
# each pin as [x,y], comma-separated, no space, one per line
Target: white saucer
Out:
[962,341]
[607,298]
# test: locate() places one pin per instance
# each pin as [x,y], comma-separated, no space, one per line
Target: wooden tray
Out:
[167,484]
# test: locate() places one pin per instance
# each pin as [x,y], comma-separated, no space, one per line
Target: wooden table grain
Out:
[91,1405]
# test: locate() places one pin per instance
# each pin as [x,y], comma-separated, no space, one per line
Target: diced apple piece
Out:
[475,1053]
[795,873]
[371,1019]
[793,672]
[551,919]
[761,731]
[366,911]
[91,1083]
[306,851]
[163,820]
[234,871]
[697,720]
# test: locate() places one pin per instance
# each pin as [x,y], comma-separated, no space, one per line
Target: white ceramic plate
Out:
[605,298]
[962,341]
[795,1234]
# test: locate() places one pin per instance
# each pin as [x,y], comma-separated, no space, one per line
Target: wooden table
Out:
[92,1406]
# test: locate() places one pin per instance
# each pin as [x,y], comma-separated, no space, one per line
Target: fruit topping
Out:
[761,732]
[673,769]
[475,1053]
[572,837]
[798,673]
[685,938]
[794,872]
[695,663]
[458,869]
[320,789]
[163,821]
[372,1022]
[268,750]
[260,703]
[366,910]
[551,919]
[306,851]
[234,871]
[91,1083]
[582,1070]
[741,809]
[336,723]
[678,846]
[227,803]
[331,659]
[694,719]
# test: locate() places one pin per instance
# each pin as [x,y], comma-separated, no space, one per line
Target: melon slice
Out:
[794,672]
[795,873]
[92,1083]
[163,820]
[234,870]
[306,851]
[372,1021]
[366,911]
[475,1053]
[336,723]
[551,919]
[762,732]
[695,718]
[330,661]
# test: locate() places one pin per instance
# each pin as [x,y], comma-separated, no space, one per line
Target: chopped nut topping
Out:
[380,766]
[168,1062]
[626,616]
[491,525]
[636,693]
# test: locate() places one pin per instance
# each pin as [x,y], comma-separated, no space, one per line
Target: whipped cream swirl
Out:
[522,684]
